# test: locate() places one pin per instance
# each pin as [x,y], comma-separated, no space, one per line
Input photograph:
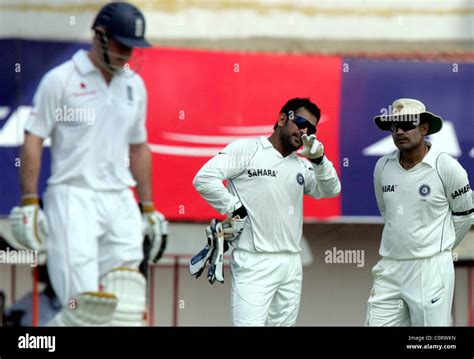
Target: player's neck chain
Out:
[408,166]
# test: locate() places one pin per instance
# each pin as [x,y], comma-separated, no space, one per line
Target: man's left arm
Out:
[459,197]
[140,156]
[321,179]
[326,183]
[155,226]
[140,166]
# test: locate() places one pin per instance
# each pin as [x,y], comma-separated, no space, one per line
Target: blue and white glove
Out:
[199,261]
[216,269]
[212,253]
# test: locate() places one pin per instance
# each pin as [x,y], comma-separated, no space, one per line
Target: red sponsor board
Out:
[199,101]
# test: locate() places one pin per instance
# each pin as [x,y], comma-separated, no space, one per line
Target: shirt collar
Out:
[265,142]
[83,62]
[429,159]
[431,156]
[395,155]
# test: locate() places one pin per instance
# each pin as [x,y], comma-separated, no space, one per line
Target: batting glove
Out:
[29,224]
[155,228]
[312,148]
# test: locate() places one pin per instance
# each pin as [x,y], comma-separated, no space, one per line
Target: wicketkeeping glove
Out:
[312,148]
[155,228]
[216,269]
[29,224]
[199,261]
[235,223]
[212,253]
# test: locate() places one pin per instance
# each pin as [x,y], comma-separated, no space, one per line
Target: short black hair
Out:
[295,103]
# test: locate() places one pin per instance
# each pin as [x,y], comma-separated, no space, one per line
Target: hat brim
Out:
[135,43]
[384,122]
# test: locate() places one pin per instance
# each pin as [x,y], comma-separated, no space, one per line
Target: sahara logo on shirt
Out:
[261,172]
[389,188]
[460,191]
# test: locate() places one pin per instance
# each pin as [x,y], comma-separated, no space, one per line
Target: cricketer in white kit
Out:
[425,200]
[266,181]
[92,228]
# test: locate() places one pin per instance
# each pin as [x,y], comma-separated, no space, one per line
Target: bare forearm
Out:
[30,164]
[140,166]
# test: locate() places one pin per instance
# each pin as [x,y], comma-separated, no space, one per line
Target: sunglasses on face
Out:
[303,123]
[404,126]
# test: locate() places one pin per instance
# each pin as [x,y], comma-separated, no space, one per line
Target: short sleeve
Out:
[46,103]
[138,134]
[379,166]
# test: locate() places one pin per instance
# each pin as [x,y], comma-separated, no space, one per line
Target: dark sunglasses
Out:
[404,126]
[303,123]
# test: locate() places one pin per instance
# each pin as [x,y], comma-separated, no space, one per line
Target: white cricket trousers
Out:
[416,292]
[266,288]
[90,233]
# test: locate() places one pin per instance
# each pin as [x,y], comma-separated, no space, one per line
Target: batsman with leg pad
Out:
[121,302]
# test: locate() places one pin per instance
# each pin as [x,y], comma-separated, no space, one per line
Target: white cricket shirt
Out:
[421,206]
[91,125]
[271,188]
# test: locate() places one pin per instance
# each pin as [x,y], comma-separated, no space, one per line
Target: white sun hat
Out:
[408,110]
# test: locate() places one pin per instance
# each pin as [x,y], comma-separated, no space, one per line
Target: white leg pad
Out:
[129,286]
[88,309]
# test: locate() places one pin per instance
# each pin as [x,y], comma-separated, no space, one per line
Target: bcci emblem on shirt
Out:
[300,179]
[424,190]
